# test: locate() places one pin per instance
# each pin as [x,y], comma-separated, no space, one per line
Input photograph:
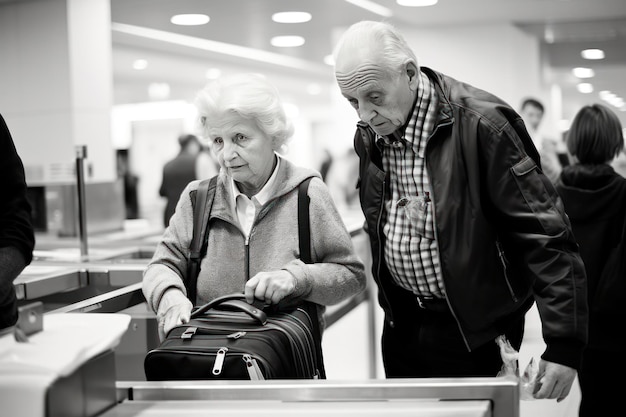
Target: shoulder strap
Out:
[304,238]
[202,206]
[304,226]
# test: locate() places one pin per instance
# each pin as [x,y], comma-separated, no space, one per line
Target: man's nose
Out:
[366,113]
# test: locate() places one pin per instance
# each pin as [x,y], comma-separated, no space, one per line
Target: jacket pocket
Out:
[537,197]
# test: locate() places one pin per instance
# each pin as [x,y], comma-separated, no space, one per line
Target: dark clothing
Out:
[177,173]
[17,239]
[595,200]
[430,338]
[503,237]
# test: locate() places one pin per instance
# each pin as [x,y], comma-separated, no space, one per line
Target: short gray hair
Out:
[395,49]
[250,96]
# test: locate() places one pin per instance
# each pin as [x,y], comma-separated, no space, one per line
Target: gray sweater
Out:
[337,273]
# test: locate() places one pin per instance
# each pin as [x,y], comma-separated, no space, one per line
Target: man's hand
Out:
[270,287]
[174,309]
[553,381]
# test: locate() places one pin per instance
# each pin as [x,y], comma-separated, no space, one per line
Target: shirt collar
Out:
[264,194]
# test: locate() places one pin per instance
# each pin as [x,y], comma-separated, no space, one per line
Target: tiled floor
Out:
[347,345]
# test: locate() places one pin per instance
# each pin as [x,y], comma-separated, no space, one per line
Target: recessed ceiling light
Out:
[581,72]
[585,88]
[417,3]
[287,41]
[140,64]
[291,17]
[190,19]
[329,60]
[592,54]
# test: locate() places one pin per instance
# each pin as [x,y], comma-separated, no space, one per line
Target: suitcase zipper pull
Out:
[253,368]
[236,335]
[219,361]
[189,332]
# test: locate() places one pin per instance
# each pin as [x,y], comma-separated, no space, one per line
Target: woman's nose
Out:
[229,151]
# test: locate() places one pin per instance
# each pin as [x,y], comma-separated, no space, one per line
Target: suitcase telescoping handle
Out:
[234,301]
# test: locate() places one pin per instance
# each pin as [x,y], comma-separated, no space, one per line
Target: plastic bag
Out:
[510,367]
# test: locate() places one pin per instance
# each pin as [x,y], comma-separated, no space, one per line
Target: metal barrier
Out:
[477,396]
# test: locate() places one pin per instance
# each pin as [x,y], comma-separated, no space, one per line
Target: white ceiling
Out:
[569,25]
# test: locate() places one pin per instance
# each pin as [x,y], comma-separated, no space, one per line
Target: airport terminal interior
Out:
[96,94]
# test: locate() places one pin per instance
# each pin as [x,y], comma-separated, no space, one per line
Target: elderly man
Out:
[466,231]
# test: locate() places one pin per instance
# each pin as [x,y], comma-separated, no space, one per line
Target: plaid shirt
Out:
[411,250]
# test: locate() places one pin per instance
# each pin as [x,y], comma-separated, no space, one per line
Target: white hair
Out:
[250,96]
[395,49]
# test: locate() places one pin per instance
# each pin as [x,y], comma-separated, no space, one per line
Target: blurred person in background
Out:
[595,200]
[252,243]
[466,231]
[532,111]
[17,238]
[190,164]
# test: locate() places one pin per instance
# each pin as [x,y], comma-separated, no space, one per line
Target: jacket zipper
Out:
[433,199]
[504,270]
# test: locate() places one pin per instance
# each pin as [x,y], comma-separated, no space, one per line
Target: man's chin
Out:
[384,130]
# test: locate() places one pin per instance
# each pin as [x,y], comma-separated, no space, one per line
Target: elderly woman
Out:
[253,230]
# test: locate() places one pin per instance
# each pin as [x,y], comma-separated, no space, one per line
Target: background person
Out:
[17,238]
[253,243]
[595,200]
[180,171]
[466,232]
[532,111]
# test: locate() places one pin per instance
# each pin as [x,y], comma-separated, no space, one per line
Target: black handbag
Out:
[228,338]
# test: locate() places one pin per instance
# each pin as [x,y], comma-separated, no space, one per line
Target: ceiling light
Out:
[581,72]
[585,88]
[417,3]
[329,60]
[140,64]
[287,41]
[190,19]
[291,17]
[592,54]
[212,73]
[372,7]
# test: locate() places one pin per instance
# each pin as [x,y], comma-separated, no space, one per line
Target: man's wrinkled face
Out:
[382,98]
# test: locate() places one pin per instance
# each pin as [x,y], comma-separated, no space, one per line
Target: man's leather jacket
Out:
[504,239]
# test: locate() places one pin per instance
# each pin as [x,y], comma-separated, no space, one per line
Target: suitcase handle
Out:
[236,301]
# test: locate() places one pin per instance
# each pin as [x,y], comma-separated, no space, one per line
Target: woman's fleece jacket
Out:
[335,274]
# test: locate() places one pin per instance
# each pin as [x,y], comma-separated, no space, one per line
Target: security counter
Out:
[456,397]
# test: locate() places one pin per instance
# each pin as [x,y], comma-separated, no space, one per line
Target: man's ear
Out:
[411,72]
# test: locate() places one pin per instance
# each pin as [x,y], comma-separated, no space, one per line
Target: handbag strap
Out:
[204,197]
[304,224]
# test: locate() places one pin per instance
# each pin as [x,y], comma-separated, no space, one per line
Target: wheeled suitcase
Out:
[231,339]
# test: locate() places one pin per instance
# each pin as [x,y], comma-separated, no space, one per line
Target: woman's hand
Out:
[270,287]
[174,310]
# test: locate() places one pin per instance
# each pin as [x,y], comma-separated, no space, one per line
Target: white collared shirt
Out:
[246,208]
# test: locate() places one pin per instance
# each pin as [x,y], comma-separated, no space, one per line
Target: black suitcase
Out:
[231,339]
